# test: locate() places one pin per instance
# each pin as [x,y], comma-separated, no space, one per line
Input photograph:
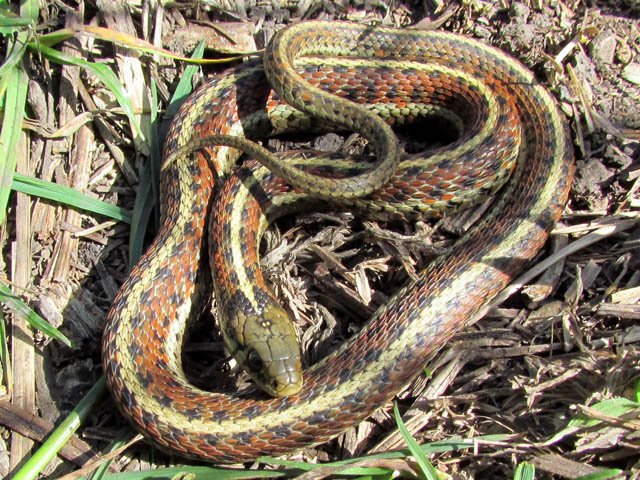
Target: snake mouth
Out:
[279,377]
[286,377]
[286,385]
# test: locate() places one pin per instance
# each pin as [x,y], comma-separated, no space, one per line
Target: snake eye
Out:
[254,361]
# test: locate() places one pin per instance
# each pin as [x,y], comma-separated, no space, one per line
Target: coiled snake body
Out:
[405,71]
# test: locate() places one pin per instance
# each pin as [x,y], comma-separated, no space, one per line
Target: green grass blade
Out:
[5,356]
[613,407]
[30,9]
[14,101]
[194,473]
[16,52]
[448,445]
[54,38]
[428,470]
[10,19]
[525,471]
[68,196]
[23,26]
[142,209]
[122,437]
[156,147]
[603,475]
[17,306]
[147,195]
[62,433]
[184,87]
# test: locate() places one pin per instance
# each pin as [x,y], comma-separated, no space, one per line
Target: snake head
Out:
[268,349]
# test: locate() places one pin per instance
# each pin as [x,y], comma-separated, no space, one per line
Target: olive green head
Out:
[267,348]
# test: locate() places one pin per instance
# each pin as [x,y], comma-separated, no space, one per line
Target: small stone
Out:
[330,142]
[482,32]
[631,73]
[603,49]
[520,12]
[590,180]
[522,34]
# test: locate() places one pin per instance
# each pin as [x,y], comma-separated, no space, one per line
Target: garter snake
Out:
[141,345]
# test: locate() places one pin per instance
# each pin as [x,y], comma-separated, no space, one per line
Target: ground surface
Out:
[521,372]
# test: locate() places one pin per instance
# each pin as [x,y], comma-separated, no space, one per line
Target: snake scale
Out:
[401,72]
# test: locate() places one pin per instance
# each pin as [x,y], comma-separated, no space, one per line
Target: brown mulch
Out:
[545,355]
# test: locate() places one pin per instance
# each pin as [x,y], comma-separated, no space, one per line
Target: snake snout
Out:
[282,372]
[289,380]
[278,375]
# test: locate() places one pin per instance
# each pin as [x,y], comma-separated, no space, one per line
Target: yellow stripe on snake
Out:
[503,114]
